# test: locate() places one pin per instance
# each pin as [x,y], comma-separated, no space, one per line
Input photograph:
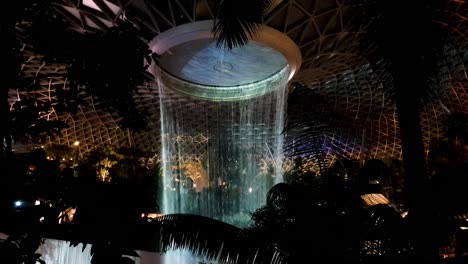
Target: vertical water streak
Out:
[61,252]
[280,110]
[165,161]
[220,158]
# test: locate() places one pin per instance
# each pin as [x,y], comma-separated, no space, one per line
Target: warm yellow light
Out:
[76,143]
[37,202]
[67,215]
[371,199]
[404,214]
[150,216]
[464,227]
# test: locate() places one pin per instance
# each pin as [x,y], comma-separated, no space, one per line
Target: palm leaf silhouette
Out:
[237,20]
[213,239]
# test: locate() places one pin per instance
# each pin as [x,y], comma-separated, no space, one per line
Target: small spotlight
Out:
[18,203]
[404,214]
[37,202]
[250,189]
[76,143]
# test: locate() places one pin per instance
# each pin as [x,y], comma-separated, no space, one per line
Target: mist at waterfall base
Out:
[219,159]
[61,252]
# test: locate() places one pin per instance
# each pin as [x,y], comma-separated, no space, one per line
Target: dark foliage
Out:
[30,123]
[299,226]
[406,51]
[109,66]
[112,68]
[213,239]
[102,208]
[238,20]
[372,176]
[21,249]
[448,160]
[310,120]
[327,221]
[383,224]
[397,41]
[339,183]
[456,126]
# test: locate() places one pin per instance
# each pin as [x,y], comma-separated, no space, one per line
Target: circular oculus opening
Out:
[192,63]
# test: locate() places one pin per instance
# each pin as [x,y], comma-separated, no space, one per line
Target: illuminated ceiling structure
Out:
[328,34]
[192,62]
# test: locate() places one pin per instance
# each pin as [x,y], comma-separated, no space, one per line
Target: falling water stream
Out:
[219,160]
[221,157]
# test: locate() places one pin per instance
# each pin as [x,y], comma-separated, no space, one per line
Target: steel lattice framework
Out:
[328,34]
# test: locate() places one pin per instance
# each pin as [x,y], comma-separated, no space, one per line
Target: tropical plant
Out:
[310,122]
[29,122]
[11,63]
[339,184]
[448,161]
[66,213]
[237,21]
[328,219]
[214,240]
[302,225]
[408,53]
[98,215]
[21,249]
[456,128]
[109,66]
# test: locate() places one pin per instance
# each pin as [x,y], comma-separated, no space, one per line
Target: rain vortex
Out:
[220,158]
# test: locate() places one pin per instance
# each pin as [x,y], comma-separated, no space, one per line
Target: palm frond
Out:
[237,20]
[309,144]
[213,239]
[310,119]
[424,47]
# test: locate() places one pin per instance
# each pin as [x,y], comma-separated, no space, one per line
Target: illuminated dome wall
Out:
[222,114]
[328,33]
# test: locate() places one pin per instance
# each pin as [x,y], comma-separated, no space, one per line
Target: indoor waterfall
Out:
[219,158]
